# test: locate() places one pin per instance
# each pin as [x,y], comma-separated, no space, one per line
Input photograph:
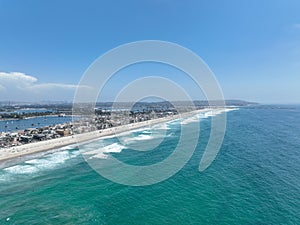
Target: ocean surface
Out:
[255,178]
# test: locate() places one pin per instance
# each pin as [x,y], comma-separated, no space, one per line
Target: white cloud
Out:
[16,86]
[20,80]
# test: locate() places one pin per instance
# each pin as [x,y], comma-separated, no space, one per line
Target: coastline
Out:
[11,153]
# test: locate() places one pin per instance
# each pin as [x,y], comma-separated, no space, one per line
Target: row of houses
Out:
[29,135]
[100,122]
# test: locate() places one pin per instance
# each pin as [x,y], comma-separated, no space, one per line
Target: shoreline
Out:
[7,154]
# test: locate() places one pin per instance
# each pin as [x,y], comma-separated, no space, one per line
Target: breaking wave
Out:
[46,162]
[102,152]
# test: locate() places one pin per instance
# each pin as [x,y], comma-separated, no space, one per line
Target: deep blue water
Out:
[255,179]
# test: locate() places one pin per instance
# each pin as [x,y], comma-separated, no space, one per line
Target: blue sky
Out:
[253,47]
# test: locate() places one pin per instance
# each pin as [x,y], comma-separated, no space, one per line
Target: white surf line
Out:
[41,146]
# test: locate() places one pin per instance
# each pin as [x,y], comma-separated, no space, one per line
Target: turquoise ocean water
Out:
[255,179]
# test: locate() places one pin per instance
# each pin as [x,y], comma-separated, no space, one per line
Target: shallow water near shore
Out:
[255,179]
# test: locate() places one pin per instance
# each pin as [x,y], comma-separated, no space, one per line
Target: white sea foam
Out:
[100,155]
[141,137]
[216,112]
[161,126]
[91,146]
[21,169]
[231,109]
[49,161]
[147,132]
[102,152]
[52,160]
[115,147]
[69,147]
[190,120]
[210,113]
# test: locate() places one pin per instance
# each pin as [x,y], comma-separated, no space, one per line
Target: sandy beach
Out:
[36,147]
